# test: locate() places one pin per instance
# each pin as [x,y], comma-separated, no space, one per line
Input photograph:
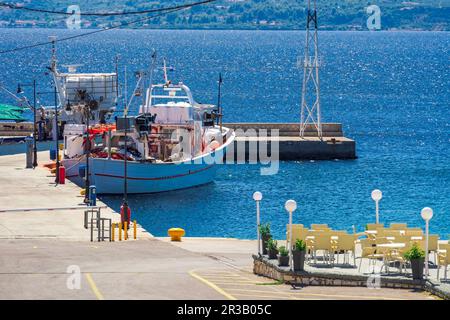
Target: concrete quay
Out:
[48,255]
[251,138]
[28,188]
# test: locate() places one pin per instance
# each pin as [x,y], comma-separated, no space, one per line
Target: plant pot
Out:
[417,266]
[283,261]
[264,240]
[272,253]
[298,258]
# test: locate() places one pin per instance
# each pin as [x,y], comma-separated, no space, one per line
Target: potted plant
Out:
[283,257]
[298,255]
[264,230]
[417,258]
[272,248]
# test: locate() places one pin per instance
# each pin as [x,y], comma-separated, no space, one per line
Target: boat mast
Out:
[148,100]
[219,102]
[117,79]
[166,78]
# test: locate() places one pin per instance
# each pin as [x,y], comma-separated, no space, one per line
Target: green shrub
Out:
[283,251]
[414,253]
[299,245]
[272,244]
[264,229]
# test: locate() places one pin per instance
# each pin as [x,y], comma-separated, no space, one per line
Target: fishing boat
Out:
[173,143]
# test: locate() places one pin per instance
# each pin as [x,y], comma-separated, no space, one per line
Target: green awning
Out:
[11,113]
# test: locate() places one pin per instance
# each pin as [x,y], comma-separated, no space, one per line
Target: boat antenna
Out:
[140,74]
[117,78]
[148,100]
[219,101]
[166,78]
[125,99]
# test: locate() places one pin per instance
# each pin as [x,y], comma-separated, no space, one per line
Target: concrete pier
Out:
[251,137]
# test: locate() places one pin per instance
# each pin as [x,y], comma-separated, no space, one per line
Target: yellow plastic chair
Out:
[374,226]
[298,232]
[398,226]
[339,233]
[369,251]
[433,244]
[392,233]
[403,239]
[414,232]
[322,242]
[320,227]
[443,259]
[346,244]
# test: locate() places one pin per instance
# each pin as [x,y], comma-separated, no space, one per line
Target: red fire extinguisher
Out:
[126,218]
[62,175]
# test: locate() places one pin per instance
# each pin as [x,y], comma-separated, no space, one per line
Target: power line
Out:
[165,12]
[106,14]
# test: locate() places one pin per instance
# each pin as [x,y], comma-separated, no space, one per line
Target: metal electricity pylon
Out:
[310,108]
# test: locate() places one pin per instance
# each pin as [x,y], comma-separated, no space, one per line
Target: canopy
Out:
[11,113]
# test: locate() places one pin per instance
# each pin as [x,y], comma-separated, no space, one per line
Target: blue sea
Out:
[391,91]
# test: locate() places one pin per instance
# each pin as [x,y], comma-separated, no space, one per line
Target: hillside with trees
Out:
[241,14]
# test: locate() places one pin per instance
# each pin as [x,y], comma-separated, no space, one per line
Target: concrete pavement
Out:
[28,188]
[44,255]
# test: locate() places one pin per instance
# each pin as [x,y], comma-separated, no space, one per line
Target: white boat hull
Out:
[108,174]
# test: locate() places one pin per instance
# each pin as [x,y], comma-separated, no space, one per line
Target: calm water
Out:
[390,90]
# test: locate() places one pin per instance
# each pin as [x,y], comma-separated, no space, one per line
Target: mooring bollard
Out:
[120,231]
[134,230]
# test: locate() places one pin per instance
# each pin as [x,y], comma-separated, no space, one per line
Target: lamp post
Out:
[56,135]
[125,167]
[376,196]
[427,214]
[88,151]
[290,207]
[20,91]
[257,196]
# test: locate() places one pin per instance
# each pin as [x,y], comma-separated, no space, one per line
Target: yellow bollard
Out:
[125,231]
[113,231]
[120,231]
[176,233]
[134,230]
[82,192]
[61,146]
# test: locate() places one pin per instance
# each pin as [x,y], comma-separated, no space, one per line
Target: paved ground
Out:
[148,269]
[45,255]
[28,188]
